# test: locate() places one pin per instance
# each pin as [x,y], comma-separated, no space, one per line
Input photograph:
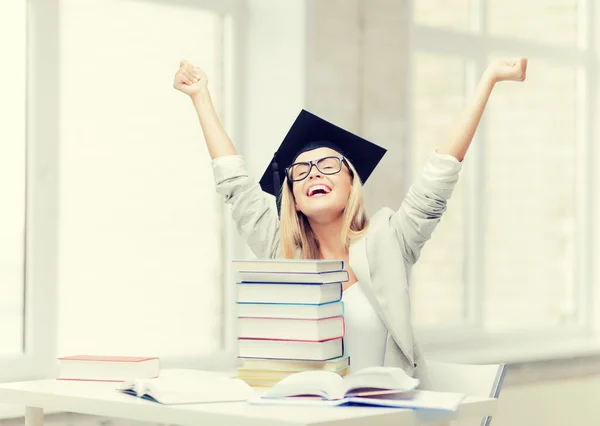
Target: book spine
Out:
[290,340]
[294,340]
[296,319]
[289,304]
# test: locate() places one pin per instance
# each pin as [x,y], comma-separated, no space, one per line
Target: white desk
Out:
[102,399]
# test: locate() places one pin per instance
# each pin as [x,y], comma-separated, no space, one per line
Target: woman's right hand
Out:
[190,80]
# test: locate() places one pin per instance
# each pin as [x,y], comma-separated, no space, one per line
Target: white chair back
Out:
[470,379]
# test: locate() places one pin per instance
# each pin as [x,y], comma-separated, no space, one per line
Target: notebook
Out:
[183,386]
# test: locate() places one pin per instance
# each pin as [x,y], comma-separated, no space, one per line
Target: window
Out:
[511,254]
[27,306]
[141,233]
[125,239]
[12,177]
[438,93]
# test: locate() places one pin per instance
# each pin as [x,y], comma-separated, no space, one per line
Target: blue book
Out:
[312,294]
[438,402]
[290,310]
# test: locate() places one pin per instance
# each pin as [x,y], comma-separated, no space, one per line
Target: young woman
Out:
[317,176]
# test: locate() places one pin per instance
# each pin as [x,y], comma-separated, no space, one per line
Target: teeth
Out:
[314,188]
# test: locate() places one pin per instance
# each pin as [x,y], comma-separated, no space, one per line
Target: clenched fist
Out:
[189,79]
[508,69]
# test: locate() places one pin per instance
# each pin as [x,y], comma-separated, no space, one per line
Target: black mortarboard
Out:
[310,132]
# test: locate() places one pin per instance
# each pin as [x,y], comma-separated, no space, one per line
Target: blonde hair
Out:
[295,230]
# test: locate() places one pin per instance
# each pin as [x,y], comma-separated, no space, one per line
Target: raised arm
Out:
[254,214]
[193,82]
[458,141]
[426,200]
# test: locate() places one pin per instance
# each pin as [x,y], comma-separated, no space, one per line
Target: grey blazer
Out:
[381,260]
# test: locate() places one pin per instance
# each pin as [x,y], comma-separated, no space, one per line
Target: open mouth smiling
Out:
[318,190]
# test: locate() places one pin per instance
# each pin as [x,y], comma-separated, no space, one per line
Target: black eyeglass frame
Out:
[341,158]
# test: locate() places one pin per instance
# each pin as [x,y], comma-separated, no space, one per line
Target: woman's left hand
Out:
[507,69]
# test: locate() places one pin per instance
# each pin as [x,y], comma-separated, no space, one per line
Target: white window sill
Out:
[509,348]
[528,359]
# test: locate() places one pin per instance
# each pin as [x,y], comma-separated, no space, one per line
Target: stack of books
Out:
[290,318]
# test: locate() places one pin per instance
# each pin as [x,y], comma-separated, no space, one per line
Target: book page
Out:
[180,386]
[385,378]
[175,379]
[446,401]
[326,384]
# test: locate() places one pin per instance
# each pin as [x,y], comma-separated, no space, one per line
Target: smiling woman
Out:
[322,215]
[309,206]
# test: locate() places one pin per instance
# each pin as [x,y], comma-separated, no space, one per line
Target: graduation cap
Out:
[311,132]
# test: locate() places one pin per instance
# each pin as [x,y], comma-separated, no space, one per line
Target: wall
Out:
[356,78]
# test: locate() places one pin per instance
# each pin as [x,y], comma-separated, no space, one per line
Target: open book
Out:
[416,400]
[182,386]
[331,386]
[374,386]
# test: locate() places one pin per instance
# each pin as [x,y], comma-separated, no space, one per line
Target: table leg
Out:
[34,416]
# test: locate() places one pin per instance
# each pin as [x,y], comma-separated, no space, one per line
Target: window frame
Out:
[41,199]
[470,341]
[43,169]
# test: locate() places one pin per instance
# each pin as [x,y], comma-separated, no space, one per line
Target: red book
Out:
[107,368]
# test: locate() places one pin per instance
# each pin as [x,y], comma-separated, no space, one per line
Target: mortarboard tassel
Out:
[276,183]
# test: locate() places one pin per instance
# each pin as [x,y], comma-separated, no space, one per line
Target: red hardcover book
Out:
[300,329]
[107,368]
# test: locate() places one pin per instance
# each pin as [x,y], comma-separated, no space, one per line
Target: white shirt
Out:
[366,334]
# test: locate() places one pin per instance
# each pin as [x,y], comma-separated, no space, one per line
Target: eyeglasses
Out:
[326,165]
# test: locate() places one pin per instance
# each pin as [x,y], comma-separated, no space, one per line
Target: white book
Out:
[290,310]
[276,375]
[374,386]
[290,328]
[293,277]
[331,386]
[418,399]
[107,368]
[288,293]
[288,265]
[289,349]
[253,364]
[185,386]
